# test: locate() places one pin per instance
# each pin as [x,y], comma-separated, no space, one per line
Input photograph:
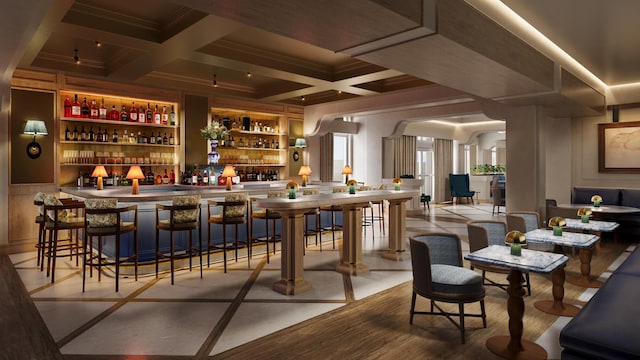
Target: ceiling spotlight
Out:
[215,82]
[302,98]
[98,43]
[339,92]
[75,57]
[249,74]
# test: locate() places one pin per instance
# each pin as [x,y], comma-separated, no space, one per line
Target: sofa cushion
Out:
[631,266]
[630,197]
[604,327]
[582,195]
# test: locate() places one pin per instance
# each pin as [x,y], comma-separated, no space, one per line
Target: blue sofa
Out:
[607,327]
[629,223]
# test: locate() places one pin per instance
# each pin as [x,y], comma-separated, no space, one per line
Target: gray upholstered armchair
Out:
[438,275]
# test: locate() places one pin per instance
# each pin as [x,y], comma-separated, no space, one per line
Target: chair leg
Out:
[157,250]
[413,307]
[200,248]
[208,244]
[461,311]
[172,254]
[117,261]
[224,246]
[190,250]
[528,283]
[483,314]
[84,261]
[135,249]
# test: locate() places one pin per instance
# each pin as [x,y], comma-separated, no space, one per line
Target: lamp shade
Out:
[99,171]
[304,170]
[347,170]
[301,143]
[135,173]
[35,127]
[228,171]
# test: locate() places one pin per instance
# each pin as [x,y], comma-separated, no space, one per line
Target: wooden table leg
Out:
[556,306]
[292,281]
[585,270]
[351,252]
[513,346]
[397,228]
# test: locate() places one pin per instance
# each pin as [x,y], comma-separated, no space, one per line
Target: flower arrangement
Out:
[596,200]
[516,240]
[557,223]
[352,182]
[214,131]
[585,214]
[292,185]
[396,183]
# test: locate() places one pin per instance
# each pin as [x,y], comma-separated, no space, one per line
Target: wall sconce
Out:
[99,172]
[134,174]
[305,171]
[346,171]
[34,127]
[228,173]
[300,143]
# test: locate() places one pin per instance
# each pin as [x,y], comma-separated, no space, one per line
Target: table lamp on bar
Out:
[99,172]
[228,173]
[347,171]
[305,171]
[134,174]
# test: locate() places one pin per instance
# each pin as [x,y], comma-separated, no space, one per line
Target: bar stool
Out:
[234,212]
[184,215]
[367,220]
[61,216]
[40,220]
[332,209]
[315,212]
[268,216]
[103,218]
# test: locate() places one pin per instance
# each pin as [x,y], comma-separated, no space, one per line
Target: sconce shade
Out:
[347,170]
[134,174]
[304,170]
[35,127]
[301,143]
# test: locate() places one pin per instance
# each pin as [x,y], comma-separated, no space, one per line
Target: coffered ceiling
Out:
[302,53]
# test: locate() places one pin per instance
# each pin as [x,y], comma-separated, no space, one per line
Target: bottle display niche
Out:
[256,144]
[117,132]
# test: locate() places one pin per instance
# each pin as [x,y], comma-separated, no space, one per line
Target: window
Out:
[341,155]
[424,166]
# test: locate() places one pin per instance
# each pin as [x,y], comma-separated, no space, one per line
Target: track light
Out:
[215,82]
[75,57]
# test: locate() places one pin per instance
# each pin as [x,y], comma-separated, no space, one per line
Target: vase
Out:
[516,249]
[557,230]
[213,156]
[585,219]
[596,204]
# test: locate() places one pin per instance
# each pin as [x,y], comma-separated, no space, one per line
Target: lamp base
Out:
[135,188]
[229,183]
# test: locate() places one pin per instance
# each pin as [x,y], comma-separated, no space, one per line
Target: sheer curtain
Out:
[326,157]
[404,149]
[442,167]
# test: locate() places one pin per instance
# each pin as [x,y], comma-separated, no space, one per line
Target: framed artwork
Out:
[619,147]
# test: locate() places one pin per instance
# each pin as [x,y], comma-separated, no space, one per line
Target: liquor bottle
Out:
[67,134]
[92,136]
[75,133]
[141,115]
[273,144]
[145,139]
[139,138]
[132,138]
[114,136]
[150,176]
[159,139]
[205,178]
[125,137]
[199,177]
[232,142]
[152,139]
[149,114]
[114,114]
[194,176]
[102,111]
[83,134]
[85,109]
[133,113]
[80,180]
[67,106]
[76,111]
[171,142]
[277,144]
[172,117]
[164,116]
[93,111]
[165,139]
[165,177]
[124,116]
[172,177]
[157,118]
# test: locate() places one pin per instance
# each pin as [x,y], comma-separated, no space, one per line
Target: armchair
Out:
[459,186]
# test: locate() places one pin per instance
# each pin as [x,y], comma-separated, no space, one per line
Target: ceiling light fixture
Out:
[302,98]
[339,92]
[98,43]
[215,82]
[75,57]
[249,74]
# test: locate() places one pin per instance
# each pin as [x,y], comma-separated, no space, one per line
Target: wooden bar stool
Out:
[234,212]
[332,209]
[184,215]
[315,230]
[62,217]
[268,216]
[103,218]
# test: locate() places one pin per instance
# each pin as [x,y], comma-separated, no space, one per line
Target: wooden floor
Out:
[376,327]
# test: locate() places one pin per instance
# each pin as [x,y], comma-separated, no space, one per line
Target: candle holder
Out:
[292,193]
[557,230]
[352,189]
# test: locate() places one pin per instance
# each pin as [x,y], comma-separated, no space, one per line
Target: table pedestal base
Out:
[395,255]
[499,345]
[291,287]
[585,282]
[352,269]
[556,308]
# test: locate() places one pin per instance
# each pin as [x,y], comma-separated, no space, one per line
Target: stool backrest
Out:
[101,220]
[236,210]
[186,216]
